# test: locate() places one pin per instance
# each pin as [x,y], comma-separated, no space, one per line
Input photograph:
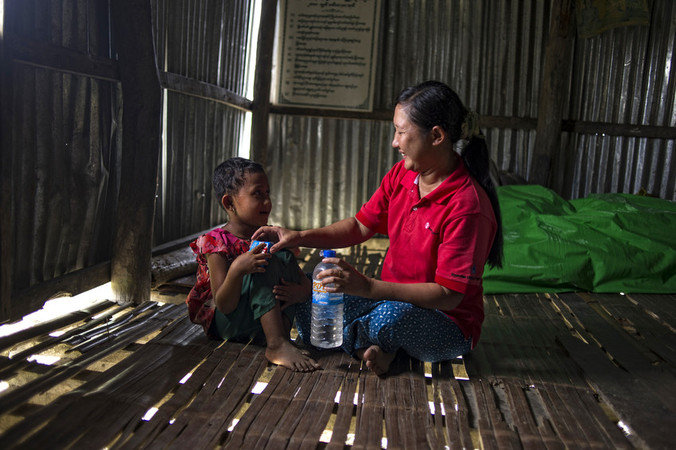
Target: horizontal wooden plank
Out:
[62,59]
[617,129]
[196,88]
[172,265]
[381,115]
[502,122]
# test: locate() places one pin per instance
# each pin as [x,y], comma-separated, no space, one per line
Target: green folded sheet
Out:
[602,243]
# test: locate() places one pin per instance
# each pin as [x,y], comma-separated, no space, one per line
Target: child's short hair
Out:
[229,175]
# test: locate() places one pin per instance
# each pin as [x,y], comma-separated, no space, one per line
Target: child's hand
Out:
[253,261]
[291,293]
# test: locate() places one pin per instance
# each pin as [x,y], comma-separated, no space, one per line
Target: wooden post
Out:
[7,216]
[141,128]
[262,80]
[553,91]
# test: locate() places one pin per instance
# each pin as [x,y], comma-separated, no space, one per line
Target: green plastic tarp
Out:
[602,243]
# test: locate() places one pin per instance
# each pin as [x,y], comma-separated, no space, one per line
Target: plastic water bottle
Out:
[327,310]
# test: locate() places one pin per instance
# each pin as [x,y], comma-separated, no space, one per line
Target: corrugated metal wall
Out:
[205,41]
[200,135]
[65,145]
[65,153]
[324,168]
[623,76]
[491,53]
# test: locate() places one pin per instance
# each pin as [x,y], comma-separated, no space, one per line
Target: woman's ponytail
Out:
[477,161]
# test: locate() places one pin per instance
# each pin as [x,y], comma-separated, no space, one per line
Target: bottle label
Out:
[321,297]
[255,244]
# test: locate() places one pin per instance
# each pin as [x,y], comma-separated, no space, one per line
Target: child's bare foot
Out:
[287,355]
[376,359]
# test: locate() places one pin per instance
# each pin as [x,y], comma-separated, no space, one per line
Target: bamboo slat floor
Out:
[571,370]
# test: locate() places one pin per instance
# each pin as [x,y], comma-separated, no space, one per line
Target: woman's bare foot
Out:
[376,359]
[287,355]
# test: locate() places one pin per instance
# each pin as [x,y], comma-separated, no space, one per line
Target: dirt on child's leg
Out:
[279,349]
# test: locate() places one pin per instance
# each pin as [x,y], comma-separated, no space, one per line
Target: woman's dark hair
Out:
[433,103]
[229,175]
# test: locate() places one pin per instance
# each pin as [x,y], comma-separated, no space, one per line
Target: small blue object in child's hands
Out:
[255,244]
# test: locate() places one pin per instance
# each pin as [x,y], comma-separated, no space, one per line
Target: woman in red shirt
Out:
[440,211]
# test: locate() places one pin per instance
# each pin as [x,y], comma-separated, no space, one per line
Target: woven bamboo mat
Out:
[551,371]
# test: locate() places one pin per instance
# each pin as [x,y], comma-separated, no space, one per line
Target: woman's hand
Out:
[253,261]
[345,279]
[284,237]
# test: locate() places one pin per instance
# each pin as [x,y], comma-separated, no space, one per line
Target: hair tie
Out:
[470,126]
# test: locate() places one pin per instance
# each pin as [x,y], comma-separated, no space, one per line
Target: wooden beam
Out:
[510,123]
[141,129]
[54,57]
[263,78]
[616,129]
[180,242]
[196,88]
[502,122]
[385,115]
[6,162]
[553,91]
[380,115]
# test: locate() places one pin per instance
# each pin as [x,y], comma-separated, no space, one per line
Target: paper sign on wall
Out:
[327,53]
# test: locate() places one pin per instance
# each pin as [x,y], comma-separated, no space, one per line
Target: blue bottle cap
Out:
[255,244]
[328,253]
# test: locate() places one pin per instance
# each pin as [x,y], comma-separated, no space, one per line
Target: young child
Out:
[233,297]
